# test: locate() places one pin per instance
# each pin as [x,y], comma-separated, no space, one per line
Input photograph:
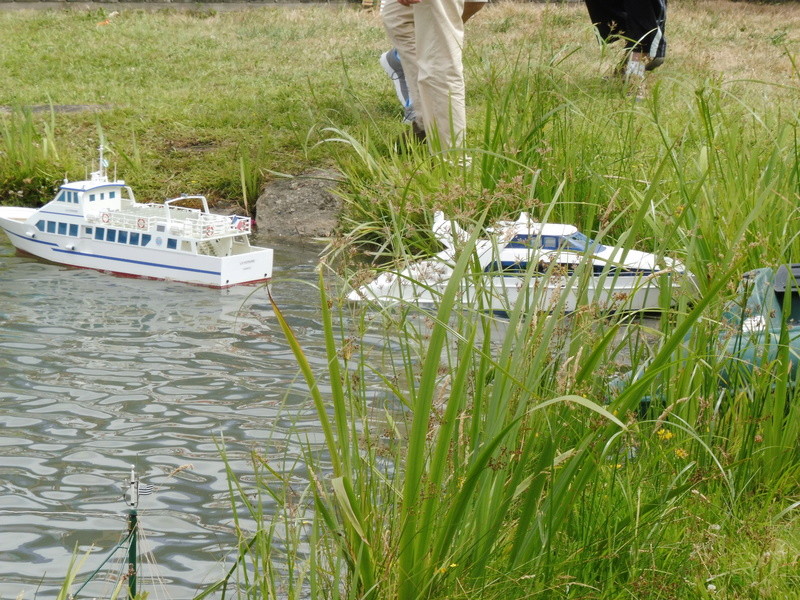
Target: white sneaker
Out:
[390,61]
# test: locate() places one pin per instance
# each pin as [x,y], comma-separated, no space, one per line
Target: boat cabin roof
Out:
[525,226]
[556,229]
[85,186]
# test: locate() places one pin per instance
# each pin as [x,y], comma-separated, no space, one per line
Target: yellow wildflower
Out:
[442,570]
[681,453]
[664,434]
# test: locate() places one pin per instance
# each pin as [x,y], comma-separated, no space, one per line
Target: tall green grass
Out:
[467,456]
[28,158]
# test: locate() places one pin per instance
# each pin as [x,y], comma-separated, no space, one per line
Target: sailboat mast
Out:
[133,526]
[132,553]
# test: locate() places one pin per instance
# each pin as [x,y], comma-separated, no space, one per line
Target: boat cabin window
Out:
[550,242]
[122,237]
[99,233]
[580,243]
[56,227]
[146,237]
[112,195]
[91,197]
[88,231]
[524,241]
[111,235]
[172,243]
[134,239]
[160,227]
[67,196]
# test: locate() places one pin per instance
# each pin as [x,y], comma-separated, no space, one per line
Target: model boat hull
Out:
[250,265]
[539,292]
[540,267]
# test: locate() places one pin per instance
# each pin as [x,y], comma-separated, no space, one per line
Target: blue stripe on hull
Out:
[137,262]
[55,248]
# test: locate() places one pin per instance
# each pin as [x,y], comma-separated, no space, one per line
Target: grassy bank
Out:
[458,462]
[192,101]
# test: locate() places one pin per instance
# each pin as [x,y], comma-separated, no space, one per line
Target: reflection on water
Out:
[99,372]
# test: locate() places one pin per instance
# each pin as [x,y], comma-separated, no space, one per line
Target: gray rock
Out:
[305,205]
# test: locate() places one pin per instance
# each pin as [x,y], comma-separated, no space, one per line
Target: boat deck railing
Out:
[175,220]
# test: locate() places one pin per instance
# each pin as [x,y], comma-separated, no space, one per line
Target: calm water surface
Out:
[98,373]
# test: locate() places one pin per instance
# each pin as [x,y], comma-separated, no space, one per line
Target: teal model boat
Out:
[763,319]
[761,326]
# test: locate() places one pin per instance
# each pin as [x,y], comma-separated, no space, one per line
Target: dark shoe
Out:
[654,63]
[413,138]
[418,132]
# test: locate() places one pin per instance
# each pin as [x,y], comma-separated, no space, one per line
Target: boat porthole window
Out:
[158,241]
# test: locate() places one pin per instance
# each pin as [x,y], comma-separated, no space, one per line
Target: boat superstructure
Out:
[98,224]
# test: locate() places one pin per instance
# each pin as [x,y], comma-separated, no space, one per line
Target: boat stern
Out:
[254,266]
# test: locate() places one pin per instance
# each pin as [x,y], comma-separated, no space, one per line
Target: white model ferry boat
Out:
[554,266]
[97,224]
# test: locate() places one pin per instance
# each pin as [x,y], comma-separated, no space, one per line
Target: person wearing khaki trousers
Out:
[429,37]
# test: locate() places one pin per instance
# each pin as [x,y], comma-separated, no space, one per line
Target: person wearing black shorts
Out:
[640,23]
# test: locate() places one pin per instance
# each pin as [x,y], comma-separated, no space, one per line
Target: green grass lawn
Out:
[514,472]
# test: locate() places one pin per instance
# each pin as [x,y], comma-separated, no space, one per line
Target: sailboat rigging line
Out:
[150,560]
[110,554]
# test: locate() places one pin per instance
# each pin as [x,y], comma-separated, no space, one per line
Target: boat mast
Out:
[100,174]
[132,499]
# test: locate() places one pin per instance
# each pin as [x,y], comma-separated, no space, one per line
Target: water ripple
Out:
[98,373]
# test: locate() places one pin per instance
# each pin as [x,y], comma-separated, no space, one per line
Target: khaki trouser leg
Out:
[440,38]
[429,37]
[399,23]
